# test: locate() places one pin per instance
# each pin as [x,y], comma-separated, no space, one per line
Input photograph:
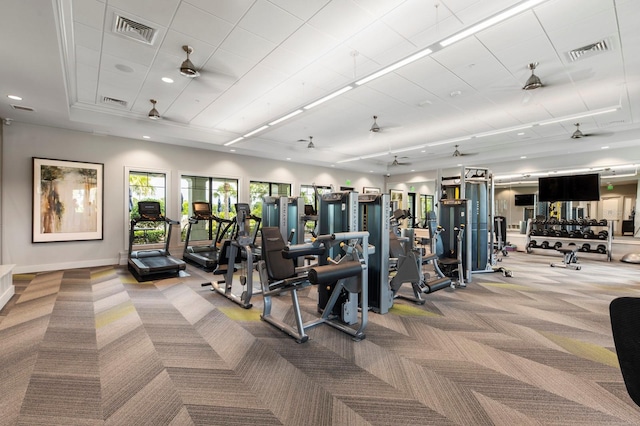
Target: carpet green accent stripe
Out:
[584,350]
[102,273]
[115,313]
[131,280]
[241,314]
[23,277]
[411,311]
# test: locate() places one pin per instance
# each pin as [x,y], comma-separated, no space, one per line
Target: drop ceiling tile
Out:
[160,12]
[347,62]
[414,16]
[247,45]
[87,56]
[229,10]
[275,29]
[302,9]
[341,19]
[172,45]
[127,49]
[86,83]
[198,24]
[285,61]
[379,8]
[87,36]
[310,42]
[557,15]
[226,67]
[375,39]
[89,12]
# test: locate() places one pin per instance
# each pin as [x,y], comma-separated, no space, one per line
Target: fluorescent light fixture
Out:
[377,154]
[14,97]
[331,96]
[393,67]
[348,160]
[619,176]
[466,138]
[146,137]
[259,129]
[234,141]
[167,79]
[286,117]
[577,116]
[490,21]
[411,148]
[497,132]
[604,147]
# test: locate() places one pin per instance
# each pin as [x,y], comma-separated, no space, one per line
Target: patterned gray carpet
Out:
[94,346]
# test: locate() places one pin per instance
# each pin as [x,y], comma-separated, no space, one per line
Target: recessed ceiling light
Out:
[288,158]
[232,150]
[167,79]
[521,134]
[14,97]
[605,147]
[146,137]
[523,157]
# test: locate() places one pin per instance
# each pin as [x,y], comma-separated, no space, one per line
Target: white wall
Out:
[21,142]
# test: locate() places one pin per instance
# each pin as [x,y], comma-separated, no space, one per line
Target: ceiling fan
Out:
[187,68]
[310,144]
[395,162]
[457,153]
[579,134]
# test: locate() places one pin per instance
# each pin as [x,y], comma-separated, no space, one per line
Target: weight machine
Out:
[239,250]
[286,214]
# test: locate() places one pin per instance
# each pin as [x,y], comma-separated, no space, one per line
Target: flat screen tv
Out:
[525,199]
[569,188]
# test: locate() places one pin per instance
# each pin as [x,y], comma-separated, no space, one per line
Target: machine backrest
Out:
[150,210]
[625,325]
[278,268]
[395,246]
[500,223]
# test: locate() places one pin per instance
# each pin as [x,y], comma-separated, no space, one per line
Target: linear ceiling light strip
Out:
[421,54]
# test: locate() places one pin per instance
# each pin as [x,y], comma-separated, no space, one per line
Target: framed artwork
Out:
[370,190]
[67,200]
[396,195]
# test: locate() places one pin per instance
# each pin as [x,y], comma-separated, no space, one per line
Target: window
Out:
[426,206]
[221,193]
[411,200]
[308,192]
[258,190]
[147,186]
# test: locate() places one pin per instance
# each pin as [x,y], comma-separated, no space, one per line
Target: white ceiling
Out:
[262,59]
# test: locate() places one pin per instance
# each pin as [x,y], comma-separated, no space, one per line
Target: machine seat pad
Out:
[331,273]
[568,250]
[448,260]
[288,284]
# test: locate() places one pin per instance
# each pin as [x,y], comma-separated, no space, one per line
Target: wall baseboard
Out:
[66,265]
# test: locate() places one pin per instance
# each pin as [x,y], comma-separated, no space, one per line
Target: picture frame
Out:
[67,200]
[396,195]
[370,190]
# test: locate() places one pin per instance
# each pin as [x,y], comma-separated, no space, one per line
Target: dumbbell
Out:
[585,247]
[602,249]
[564,233]
[562,222]
[552,221]
[589,234]
[544,245]
[593,222]
[572,222]
[576,233]
[581,222]
[603,235]
[533,232]
[533,244]
[557,245]
[603,222]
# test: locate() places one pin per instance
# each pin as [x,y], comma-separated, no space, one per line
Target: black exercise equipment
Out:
[585,248]
[153,263]
[278,274]
[569,259]
[206,256]
[239,250]
[625,326]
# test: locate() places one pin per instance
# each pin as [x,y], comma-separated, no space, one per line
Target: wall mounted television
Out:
[569,188]
[525,199]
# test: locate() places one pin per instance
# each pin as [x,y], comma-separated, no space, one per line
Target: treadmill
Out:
[206,256]
[153,263]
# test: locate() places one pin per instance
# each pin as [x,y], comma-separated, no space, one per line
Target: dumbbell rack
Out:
[585,244]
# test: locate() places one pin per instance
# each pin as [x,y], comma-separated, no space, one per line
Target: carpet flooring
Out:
[95,347]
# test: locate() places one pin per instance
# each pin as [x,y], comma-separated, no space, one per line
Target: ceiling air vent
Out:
[132,29]
[22,108]
[113,101]
[589,50]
